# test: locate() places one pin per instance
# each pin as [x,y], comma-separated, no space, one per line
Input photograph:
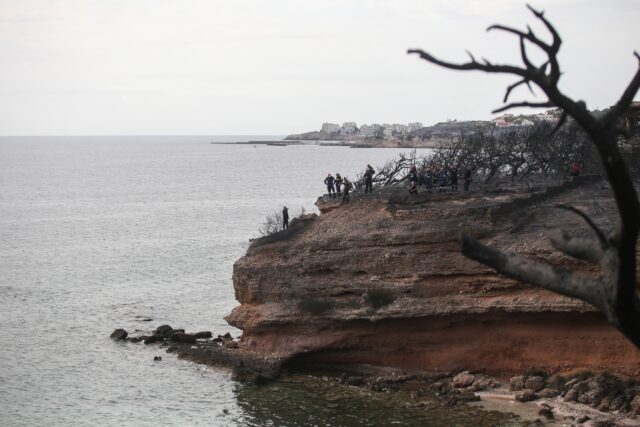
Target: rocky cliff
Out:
[380,283]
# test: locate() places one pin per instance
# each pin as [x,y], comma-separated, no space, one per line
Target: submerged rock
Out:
[153,339]
[182,337]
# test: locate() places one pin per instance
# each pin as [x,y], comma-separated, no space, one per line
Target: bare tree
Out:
[613,292]
[272,224]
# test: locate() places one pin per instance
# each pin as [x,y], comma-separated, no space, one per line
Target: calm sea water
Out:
[97,232]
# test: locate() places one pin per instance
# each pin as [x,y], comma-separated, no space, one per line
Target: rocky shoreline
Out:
[578,398]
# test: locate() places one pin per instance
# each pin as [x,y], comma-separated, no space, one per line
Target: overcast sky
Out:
[96,67]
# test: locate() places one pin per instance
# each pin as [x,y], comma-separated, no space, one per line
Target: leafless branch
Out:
[584,249]
[602,238]
[557,279]
[513,86]
[627,97]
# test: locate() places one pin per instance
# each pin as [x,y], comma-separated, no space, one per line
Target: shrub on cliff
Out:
[378,298]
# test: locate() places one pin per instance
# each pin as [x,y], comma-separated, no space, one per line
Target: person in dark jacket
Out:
[368,179]
[413,181]
[454,178]
[442,180]
[285,217]
[428,180]
[329,181]
[338,181]
[347,189]
[467,179]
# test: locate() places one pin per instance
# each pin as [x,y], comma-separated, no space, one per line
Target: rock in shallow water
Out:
[119,335]
[163,330]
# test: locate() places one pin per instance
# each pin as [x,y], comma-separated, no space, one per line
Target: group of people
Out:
[430,178]
[441,179]
[338,186]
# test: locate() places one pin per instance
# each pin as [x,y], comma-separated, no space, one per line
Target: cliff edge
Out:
[380,283]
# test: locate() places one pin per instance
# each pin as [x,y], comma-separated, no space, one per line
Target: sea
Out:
[99,233]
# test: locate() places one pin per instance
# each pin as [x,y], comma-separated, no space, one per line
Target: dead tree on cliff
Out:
[613,292]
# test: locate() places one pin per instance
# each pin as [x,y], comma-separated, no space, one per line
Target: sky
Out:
[205,67]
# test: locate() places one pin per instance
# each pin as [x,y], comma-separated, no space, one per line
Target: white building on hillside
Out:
[371,131]
[414,126]
[330,128]
[349,128]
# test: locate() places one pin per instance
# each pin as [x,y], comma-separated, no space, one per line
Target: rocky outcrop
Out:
[380,282]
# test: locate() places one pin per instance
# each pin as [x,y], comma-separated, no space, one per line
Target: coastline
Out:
[306,308]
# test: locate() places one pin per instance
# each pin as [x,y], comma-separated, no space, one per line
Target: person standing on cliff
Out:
[285,218]
[454,178]
[413,181]
[442,180]
[368,179]
[329,181]
[467,179]
[574,169]
[428,180]
[347,188]
[338,183]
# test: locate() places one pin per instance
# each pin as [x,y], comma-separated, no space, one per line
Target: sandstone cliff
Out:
[380,282]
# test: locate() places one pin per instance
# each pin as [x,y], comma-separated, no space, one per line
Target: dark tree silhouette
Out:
[613,291]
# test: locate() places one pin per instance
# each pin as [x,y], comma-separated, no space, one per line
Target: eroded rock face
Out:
[381,281]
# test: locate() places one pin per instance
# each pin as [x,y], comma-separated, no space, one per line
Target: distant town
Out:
[416,134]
